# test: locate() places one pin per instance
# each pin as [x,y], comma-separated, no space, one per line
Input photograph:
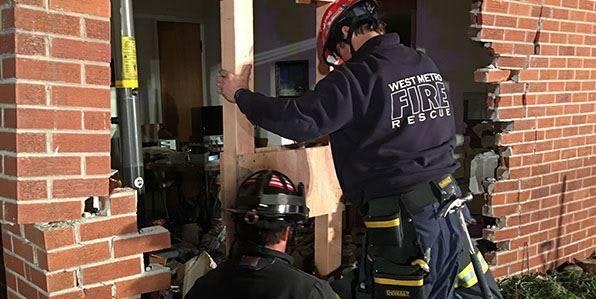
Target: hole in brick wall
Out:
[92,206]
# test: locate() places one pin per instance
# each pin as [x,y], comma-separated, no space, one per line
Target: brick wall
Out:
[54,154]
[541,97]
[55,104]
[97,257]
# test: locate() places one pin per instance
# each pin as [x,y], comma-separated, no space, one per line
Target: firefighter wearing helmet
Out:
[390,119]
[268,204]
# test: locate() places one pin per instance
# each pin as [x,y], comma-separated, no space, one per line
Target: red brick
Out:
[80,97]
[8,19]
[100,8]
[149,282]
[6,241]
[48,70]
[97,121]
[499,272]
[72,143]
[491,76]
[142,242]
[42,212]
[8,188]
[511,62]
[26,290]
[78,294]
[507,88]
[98,29]
[104,291]
[7,43]
[97,165]
[47,166]
[30,143]
[495,6]
[86,254]
[501,47]
[51,282]
[9,68]
[23,249]
[511,113]
[491,34]
[42,21]
[506,257]
[39,3]
[100,75]
[7,93]
[123,204]
[15,229]
[27,44]
[29,190]
[7,141]
[43,119]
[51,237]
[109,227]
[11,280]
[515,35]
[528,75]
[31,94]
[111,271]
[73,49]
[13,263]
[80,188]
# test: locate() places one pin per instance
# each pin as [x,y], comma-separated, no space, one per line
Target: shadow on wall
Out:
[170,115]
[550,250]
[286,21]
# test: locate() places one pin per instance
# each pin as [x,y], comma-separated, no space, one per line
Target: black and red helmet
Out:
[352,13]
[270,195]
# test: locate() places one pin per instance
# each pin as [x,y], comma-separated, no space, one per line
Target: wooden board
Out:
[328,227]
[237,44]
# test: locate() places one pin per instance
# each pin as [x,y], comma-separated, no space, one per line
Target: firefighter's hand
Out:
[228,83]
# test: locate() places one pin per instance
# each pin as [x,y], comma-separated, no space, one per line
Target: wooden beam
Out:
[237,46]
[328,238]
[327,227]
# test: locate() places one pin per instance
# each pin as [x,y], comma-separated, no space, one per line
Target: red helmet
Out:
[337,13]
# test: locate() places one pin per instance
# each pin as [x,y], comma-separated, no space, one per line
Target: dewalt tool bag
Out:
[391,249]
[397,281]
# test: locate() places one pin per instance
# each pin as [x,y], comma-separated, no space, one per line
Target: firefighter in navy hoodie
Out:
[390,120]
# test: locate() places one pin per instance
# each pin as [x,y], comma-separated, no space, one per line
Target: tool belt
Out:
[397,263]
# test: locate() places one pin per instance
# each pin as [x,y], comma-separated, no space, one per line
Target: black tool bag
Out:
[391,247]
[393,280]
[383,222]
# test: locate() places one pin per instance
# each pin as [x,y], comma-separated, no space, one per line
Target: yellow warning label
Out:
[130,74]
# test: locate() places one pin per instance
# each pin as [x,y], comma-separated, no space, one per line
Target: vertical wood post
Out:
[237,46]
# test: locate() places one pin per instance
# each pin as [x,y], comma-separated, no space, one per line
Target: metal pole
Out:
[127,84]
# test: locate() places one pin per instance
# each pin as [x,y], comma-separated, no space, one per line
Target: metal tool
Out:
[456,205]
[127,84]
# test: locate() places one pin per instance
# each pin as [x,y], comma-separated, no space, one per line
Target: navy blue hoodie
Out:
[388,114]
